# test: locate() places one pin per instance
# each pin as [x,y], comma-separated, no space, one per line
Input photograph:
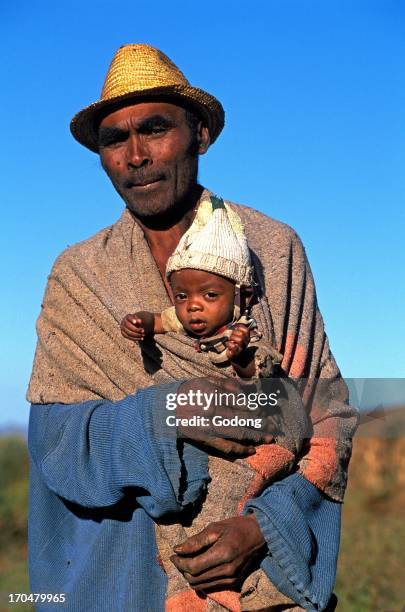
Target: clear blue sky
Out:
[314,94]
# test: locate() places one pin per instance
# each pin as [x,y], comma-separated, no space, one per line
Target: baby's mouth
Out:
[197,325]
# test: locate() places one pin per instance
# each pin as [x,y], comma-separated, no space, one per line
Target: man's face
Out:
[151,155]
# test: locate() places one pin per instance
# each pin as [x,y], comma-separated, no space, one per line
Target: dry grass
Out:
[372,559]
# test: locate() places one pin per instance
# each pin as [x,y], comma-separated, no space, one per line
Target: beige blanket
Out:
[81,354]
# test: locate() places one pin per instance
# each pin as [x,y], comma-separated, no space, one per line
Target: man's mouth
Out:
[145,185]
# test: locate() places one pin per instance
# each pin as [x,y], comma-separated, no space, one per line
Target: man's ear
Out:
[203,138]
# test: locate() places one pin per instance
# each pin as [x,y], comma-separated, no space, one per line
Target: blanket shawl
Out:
[81,354]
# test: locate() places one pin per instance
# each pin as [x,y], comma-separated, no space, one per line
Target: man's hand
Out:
[136,326]
[229,441]
[222,555]
[238,341]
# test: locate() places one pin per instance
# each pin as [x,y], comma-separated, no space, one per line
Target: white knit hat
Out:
[215,242]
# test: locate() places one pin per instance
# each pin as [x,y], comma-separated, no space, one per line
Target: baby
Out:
[204,305]
[211,278]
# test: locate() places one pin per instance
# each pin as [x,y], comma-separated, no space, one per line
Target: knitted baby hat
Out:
[215,242]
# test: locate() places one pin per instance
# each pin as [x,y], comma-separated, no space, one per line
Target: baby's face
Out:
[203,301]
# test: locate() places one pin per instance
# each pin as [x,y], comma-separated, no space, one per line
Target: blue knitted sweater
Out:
[101,472]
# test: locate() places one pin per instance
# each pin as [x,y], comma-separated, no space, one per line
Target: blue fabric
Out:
[102,471]
[302,530]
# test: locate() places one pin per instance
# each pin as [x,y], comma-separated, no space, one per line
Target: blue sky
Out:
[314,95]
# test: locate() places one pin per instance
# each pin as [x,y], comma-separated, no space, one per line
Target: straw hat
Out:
[140,71]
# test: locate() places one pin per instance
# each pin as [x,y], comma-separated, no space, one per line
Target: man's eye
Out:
[110,143]
[154,130]
[111,140]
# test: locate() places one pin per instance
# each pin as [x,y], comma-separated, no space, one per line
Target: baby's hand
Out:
[132,327]
[237,342]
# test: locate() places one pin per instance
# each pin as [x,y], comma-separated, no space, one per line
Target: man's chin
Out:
[162,209]
[149,206]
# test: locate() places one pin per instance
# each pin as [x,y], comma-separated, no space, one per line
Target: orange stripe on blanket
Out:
[189,601]
[295,357]
[320,463]
[269,461]
[186,601]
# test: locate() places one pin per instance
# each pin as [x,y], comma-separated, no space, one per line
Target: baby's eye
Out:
[211,295]
[180,297]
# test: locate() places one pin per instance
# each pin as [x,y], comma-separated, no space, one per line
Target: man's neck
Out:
[163,234]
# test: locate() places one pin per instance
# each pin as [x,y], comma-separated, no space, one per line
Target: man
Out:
[102,469]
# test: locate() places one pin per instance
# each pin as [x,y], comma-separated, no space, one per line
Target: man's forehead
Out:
[141,111]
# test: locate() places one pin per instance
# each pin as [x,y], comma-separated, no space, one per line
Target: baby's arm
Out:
[140,324]
[242,361]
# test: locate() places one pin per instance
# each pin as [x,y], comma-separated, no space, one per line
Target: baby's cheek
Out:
[181,313]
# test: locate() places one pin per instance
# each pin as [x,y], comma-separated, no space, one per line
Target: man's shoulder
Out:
[263,228]
[85,249]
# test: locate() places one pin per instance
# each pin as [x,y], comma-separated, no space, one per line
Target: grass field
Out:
[371,573]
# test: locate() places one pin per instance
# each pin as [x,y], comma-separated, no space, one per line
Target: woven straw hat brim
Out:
[84,125]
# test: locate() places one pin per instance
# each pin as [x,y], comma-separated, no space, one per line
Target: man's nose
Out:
[137,151]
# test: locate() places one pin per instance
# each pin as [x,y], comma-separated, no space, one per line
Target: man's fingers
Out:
[196,565]
[211,385]
[229,386]
[229,441]
[201,540]
[254,436]
[219,574]
[230,448]
[229,428]
[238,544]
[217,585]
[239,430]
[205,566]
